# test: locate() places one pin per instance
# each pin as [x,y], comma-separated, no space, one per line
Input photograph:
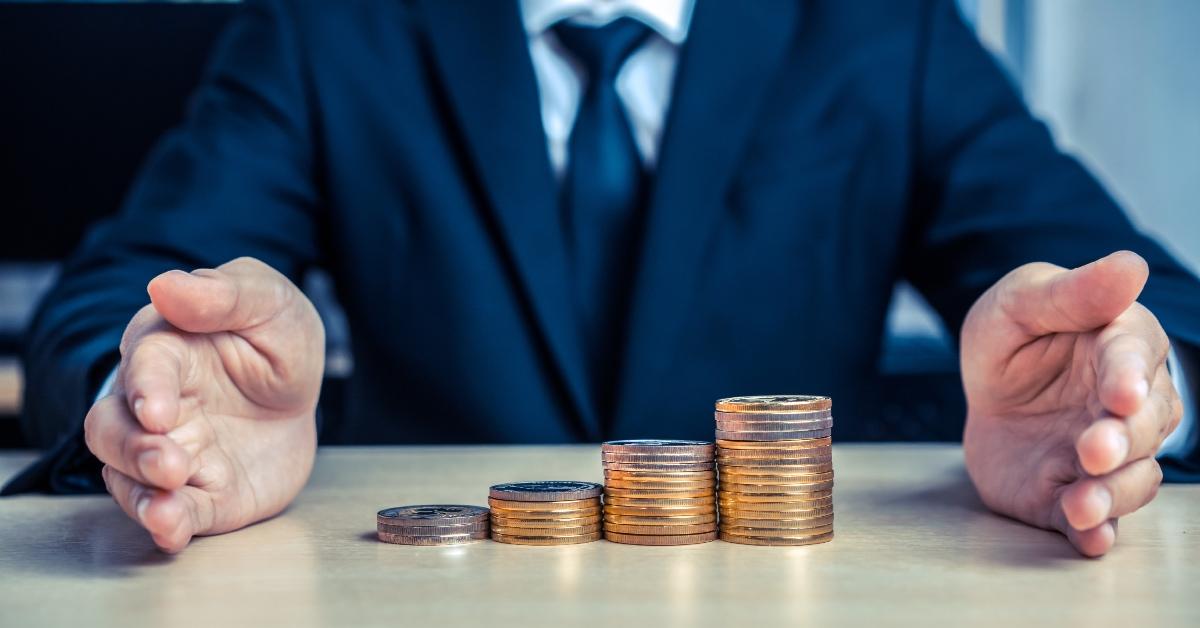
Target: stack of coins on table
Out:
[546,513]
[432,524]
[775,463]
[659,492]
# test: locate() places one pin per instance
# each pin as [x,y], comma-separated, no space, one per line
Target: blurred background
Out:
[89,86]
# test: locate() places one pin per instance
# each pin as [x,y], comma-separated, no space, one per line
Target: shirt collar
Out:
[669,18]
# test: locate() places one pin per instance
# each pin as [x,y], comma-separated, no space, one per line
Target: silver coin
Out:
[773,426]
[546,491]
[427,514]
[773,416]
[769,436]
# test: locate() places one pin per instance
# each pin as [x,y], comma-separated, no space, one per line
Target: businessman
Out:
[567,220]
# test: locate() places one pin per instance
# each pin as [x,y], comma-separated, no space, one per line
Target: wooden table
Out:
[913,546]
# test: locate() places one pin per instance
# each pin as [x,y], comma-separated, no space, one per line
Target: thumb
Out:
[1044,299]
[236,296]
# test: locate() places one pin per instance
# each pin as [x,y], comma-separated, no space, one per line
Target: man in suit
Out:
[566,220]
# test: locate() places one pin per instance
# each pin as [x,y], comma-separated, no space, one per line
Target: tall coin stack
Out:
[545,513]
[432,524]
[775,461]
[659,492]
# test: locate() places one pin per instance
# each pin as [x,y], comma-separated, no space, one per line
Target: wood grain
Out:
[913,546]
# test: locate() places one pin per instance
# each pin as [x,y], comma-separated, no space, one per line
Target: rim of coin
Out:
[566,505]
[766,490]
[650,511]
[547,540]
[746,540]
[425,514]
[661,486]
[790,444]
[777,526]
[811,452]
[669,467]
[775,479]
[694,528]
[800,498]
[742,516]
[641,445]
[659,493]
[769,510]
[639,459]
[774,403]
[545,491]
[450,539]
[432,530]
[784,533]
[786,463]
[553,515]
[779,473]
[660,539]
[640,520]
[773,416]
[660,502]
[546,532]
[775,436]
[641,475]
[773,426]
[547,523]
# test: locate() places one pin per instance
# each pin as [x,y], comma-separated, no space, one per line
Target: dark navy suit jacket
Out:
[815,152]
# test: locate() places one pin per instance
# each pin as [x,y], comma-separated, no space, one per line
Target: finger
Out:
[169,516]
[1110,443]
[1090,502]
[1096,542]
[152,377]
[1129,355]
[115,437]
[239,295]
[1044,299]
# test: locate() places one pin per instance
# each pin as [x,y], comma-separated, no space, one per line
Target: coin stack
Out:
[659,492]
[775,463]
[432,524]
[545,513]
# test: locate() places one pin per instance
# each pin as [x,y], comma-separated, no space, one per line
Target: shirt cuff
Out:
[1176,444]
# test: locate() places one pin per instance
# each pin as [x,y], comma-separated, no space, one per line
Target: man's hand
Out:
[1068,397]
[210,426]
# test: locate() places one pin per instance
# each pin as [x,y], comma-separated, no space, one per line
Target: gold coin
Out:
[657,467]
[782,534]
[737,498]
[546,532]
[696,528]
[774,403]
[573,505]
[772,479]
[777,489]
[657,521]
[582,513]
[547,540]
[777,541]
[771,425]
[793,471]
[659,511]
[661,503]
[661,476]
[652,539]
[777,527]
[736,512]
[522,522]
[661,493]
[797,456]
[793,444]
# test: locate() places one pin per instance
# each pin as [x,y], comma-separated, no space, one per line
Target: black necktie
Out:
[603,189]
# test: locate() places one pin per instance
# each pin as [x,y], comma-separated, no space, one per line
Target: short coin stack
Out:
[432,524]
[775,463]
[659,492]
[545,513]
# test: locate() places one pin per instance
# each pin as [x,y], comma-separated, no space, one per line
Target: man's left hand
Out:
[1068,397]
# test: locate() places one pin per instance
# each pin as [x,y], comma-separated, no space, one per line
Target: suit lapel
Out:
[728,60]
[483,57]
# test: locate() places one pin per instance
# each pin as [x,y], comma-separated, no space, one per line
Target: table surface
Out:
[913,545]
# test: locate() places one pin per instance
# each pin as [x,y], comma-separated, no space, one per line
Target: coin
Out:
[546,532]
[774,403]
[545,491]
[803,540]
[661,476]
[774,426]
[774,464]
[547,540]
[778,474]
[448,539]
[655,459]
[649,444]
[429,514]
[620,485]
[773,416]
[799,498]
[657,511]
[776,527]
[652,539]
[619,519]
[696,528]
[551,515]
[741,516]
[782,534]
[658,466]
[810,443]
[465,528]
[777,489]
[566,522]
[571,505]
[660,502]
[659,493]
[817,454]
[773,436]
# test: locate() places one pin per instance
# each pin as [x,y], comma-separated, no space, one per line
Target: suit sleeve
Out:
[235,179]
[992,192]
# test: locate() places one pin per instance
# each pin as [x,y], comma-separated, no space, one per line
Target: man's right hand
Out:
[211,426]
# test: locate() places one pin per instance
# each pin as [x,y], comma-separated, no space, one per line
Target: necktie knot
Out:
[602,50]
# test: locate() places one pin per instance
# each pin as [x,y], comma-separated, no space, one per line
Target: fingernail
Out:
[137,407]
[1143,389]
[1121,445]
[1102,500]
[148,461]
[143,503]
